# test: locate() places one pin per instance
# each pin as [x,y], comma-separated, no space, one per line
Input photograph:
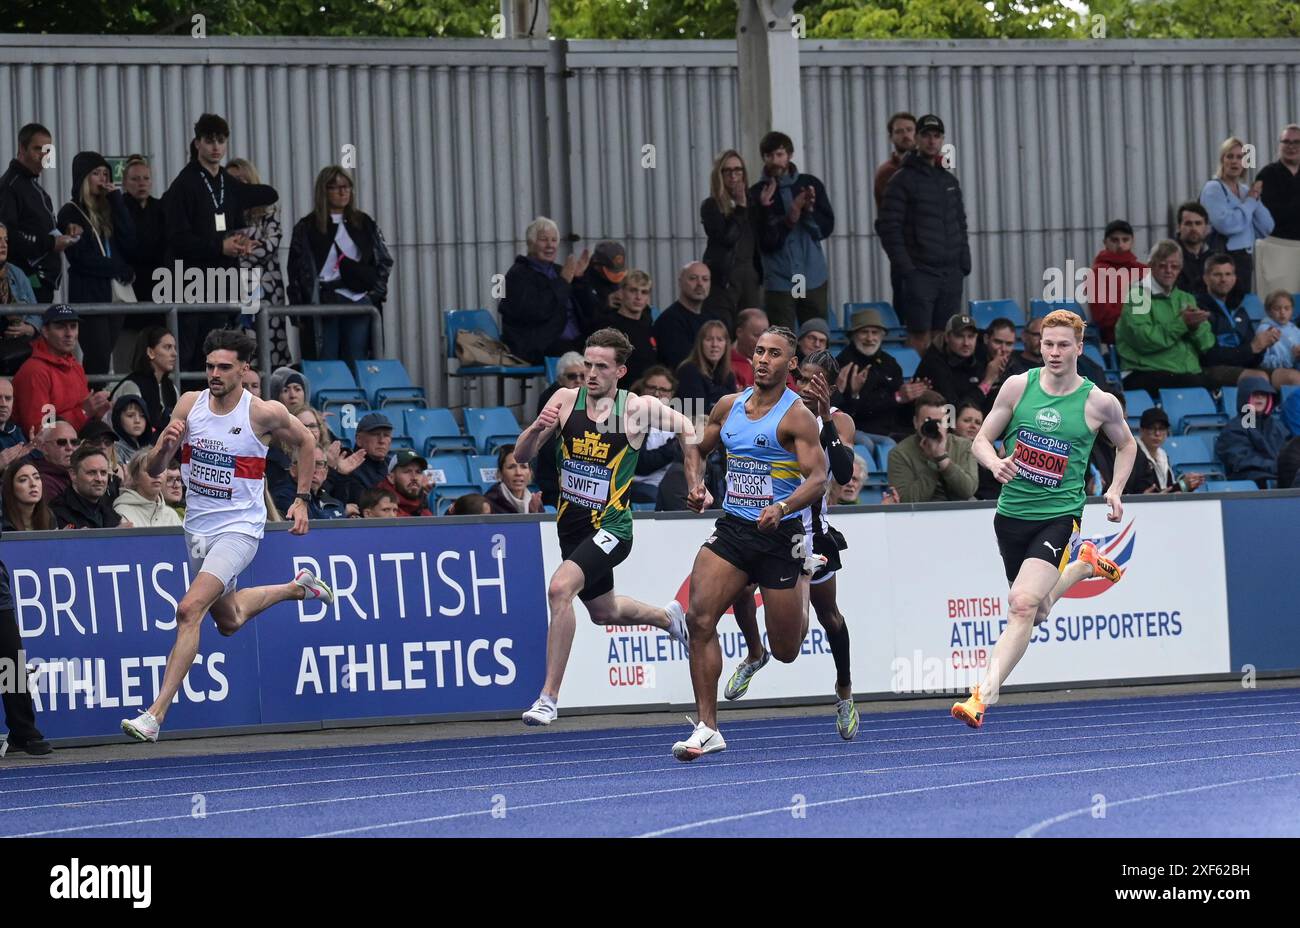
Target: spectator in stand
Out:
[955,371]
[19,330]
[632,318]
[1288,466]
[13,443]
[871,388]
[751,323]
[321,505]
[510,495]
[378,504]
[338,255]
[290,388]
[705,376]
[901,130]
[922,227]
[174,488]
[85,503]
[679,324]
[99,263]
[932,464]
[52,376]
[1236,211]
[407,481]
[203,211]
[264,232]
[1282,359]
[131,428]
[1151,470]
[375,438]
[252,382]
[1161,333]
[141,501]
[471,504]
[1194,238]
[1249,444]
[150,252]
[35,239]
[151,376]
[660,450]
[997,347]
[850,494]
[99,435]
[970,417]
[570,372]
[604,277]
[792,216]
[732,250]
[1278,256]
[1115,271]
[814,336]
[25,510]
[52,455]
[543,313]
[22,505]
[1236,351]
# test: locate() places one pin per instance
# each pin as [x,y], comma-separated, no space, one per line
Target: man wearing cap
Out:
[955,370]
[871,387]
[375,437]
[53,377]
[1151,470]
[814,336]
[922,227]
[604,275]
[1250,443]
[406,481]
[677,326]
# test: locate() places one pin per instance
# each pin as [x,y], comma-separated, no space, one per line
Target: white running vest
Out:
[223,464]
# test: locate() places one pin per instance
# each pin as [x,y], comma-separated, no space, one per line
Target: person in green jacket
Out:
[1161,333]
[934,464]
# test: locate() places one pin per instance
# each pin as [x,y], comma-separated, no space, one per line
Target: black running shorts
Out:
[773,560]
[596,555]
[1048,540]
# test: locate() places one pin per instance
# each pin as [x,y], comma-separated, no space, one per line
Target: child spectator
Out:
[1282,360]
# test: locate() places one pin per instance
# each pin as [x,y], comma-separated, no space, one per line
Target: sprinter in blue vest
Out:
[775,471]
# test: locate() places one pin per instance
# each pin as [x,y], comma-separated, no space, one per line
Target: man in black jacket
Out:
[85,503]
[35,243]
[150,235]
[204,213]
[870,386]
[956,371]
[922,227]
[1237,350]
[677,326]
[375,437]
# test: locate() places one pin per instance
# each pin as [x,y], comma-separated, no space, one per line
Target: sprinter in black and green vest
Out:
[1047,420]
[602,429]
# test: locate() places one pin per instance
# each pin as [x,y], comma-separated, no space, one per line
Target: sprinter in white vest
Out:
[225,432]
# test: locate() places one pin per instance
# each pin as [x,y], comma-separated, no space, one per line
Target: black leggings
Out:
[20,713]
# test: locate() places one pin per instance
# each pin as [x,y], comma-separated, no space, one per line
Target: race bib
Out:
[1041,459]
[749,487]
[212,474]
[605,541]
[585,484]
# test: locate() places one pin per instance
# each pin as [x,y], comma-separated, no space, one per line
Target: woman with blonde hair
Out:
[141,501]
[1236,212]
[731,253]
[265,232]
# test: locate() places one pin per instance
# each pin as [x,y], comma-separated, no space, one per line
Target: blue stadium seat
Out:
[479,320]
[1193,453]
[347,434]
[907,358]
[385,381]
[483,468]
[451,470]
[1136,402]
[1289,391]
[332,384]
[435,430]
[1191,409]
[491,427]
[895,330]
[1230,486]
[655,312]
[1295,308]
[985,311]
[643,507]
[402,441]
[441,502]
[1253,306]
[552,368]
[1228,402]
[1093,352]
[1039,309]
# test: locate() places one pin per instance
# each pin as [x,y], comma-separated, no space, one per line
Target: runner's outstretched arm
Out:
[995,423]
[533,437]
[1116,428]
[694,454]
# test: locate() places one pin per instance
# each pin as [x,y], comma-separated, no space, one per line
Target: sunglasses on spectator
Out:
[733,170]
[573,376]
[65,442]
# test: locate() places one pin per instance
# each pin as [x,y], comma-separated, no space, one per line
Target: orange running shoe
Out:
[971,711]
[1101,566]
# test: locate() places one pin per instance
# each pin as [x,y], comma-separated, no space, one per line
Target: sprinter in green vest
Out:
[1047,419]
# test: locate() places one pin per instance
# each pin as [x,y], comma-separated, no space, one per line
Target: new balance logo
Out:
[1056,552]
[236,430]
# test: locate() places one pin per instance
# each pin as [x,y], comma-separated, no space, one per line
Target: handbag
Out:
[122,293]
[477,349]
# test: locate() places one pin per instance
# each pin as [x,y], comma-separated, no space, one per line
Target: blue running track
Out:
[1221,764]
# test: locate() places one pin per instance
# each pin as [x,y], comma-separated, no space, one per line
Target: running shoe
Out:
[738,685]
[677,625]
[846,718]
[971,711]
[703,740]
[543,712]
[143,727]
[1101,566]
[315,587]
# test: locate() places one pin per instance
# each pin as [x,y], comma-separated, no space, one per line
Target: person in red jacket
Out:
[53,376]
[406,481]
[1114,271]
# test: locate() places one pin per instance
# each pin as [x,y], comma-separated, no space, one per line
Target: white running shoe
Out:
[143,727]
[316,588]
[543,712]
[704,740]
[677,625]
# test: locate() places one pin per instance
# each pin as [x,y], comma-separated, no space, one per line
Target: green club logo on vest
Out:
[1049,420]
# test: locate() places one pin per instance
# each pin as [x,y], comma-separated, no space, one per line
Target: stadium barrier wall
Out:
[446,618]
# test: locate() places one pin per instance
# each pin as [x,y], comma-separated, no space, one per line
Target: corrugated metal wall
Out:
[461,143]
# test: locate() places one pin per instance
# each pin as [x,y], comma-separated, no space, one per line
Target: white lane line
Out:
[302,755]
[955,731]
[692,786]
[963,785]
[1037,827]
